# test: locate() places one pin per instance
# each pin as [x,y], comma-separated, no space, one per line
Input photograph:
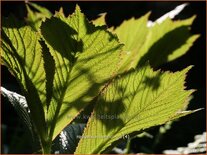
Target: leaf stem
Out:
[128,146]
[46,147]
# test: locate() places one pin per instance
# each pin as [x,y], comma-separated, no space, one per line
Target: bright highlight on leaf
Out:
[66,65]
[68,139]
[20,104]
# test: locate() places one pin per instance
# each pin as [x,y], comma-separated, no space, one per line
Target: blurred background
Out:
[16,138]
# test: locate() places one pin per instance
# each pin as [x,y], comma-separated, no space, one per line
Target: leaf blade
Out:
[175,34]
[89,57]
[21,53]
[144,43]
[138,106]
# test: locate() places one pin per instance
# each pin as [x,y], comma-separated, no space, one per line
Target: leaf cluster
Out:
[69,67]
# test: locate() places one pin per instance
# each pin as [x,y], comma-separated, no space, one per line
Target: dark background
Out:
[182,131]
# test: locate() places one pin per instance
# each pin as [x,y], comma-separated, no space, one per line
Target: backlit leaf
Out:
[100,21]
[35,18]
[166,42]
[158,44]
[132,103]
[133,33]
[21,53]
[85,57]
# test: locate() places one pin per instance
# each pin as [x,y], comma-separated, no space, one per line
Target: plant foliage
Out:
[65,64]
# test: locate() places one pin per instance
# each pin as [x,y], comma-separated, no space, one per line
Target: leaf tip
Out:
[59,13]
[148,14]
[185,70]
[77,8]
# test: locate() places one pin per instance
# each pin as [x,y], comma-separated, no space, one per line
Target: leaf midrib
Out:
[66,86]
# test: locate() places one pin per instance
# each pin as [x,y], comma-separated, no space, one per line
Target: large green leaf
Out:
[85,57]
[132,103]
[21,53]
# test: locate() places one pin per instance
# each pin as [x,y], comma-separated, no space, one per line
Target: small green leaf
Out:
[132,103]
[44,11]
[34,18]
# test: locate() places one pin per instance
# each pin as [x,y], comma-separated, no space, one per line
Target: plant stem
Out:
[46,147]
[128,146]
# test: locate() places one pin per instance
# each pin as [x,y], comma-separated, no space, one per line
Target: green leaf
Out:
[100,21]
[69,66]
[34,18]
[158,44]
[44,11]
[166,42]
[133,34]
[133,102]
[21,53]
[85,58]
